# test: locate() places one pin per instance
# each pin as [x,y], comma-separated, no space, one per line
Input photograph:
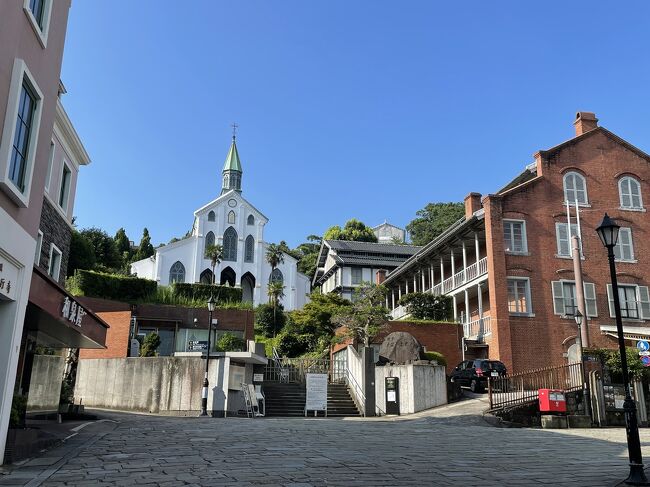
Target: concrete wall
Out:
[420,387]
[163,385]
[45,383]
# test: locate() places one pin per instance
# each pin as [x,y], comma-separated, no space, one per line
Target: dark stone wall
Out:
[57,231]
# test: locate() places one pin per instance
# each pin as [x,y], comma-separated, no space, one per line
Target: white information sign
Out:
[258,377]
[316,392]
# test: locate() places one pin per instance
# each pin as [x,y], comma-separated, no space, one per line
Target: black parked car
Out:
[474,373]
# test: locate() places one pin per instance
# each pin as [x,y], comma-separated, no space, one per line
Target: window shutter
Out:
[563,247]
[590,299]
[558,298]
[610,298]
[644,302]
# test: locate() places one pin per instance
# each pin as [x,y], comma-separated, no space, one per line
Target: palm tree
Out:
[215,254]
[274,256]
[275,290]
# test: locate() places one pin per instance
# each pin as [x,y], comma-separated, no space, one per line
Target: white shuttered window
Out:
[563,241]
[565,302]
[634,301]
[624,249]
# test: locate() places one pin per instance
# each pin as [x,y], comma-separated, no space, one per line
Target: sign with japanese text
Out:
[72,312]
[8,279]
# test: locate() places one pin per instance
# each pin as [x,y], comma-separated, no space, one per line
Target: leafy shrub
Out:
[230,343]
[292,345]
[426,306]
[202,292]
[264,319]
[110,286]
[165,295]
[437,356]
[18,410]
[149,345]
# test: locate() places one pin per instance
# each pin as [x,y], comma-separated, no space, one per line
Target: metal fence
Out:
[523,388]
[294,369]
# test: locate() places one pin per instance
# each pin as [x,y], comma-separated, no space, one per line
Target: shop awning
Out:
[629,332]
[58,320]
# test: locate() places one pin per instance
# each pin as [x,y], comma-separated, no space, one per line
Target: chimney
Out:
[584,122]
[380,276]
[472,204]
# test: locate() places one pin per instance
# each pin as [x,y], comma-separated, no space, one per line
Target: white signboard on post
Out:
[316,392]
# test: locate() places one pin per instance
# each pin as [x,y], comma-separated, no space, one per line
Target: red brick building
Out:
[507,264]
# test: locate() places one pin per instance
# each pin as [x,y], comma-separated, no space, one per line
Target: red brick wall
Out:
[435,337]
[529,342]
[117,336]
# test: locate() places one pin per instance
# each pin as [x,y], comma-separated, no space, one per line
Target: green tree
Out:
[314,321]
[432,220]
[274,255]
[426,306]
[267,322]
[353,230]
[149,345]
[367,315]
[635,367]
[215,254]
[145,249]
[82,253]
[122,241]
[229,343]
[275,291]
[107,256]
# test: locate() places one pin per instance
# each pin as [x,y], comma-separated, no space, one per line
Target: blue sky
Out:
[346,108]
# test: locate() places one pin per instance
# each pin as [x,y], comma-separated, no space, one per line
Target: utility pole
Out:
[582,338]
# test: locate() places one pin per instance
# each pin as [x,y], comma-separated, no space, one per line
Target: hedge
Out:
[437,356]
[202,292]
[110,286]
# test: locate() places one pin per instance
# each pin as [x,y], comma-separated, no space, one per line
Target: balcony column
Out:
[476,248]
[415,282]
[399,290]
[431,280]
[453,299]
[479,289]
[467,319]
[453,270]
[464,262]
[407,286]
[442,274]
[392,295]
[424,286]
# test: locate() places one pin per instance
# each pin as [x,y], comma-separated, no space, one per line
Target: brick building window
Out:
[519,296]
[564,298]
[624,250]
[514,235]
[356,275]
[575,188]
[629,191]
[634,300]
[564,248]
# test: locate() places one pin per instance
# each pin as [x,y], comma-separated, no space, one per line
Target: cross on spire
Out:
[234,130]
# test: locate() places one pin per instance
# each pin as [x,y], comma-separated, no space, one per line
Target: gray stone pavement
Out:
[448,446]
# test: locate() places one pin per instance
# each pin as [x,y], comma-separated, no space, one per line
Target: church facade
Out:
[234,223]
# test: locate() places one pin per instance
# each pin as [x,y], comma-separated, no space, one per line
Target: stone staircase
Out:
[288,400]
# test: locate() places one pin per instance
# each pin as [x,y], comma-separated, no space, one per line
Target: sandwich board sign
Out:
[316,393]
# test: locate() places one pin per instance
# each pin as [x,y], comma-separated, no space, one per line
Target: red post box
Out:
[552,401]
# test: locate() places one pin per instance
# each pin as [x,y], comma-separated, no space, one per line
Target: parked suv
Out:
[474,373]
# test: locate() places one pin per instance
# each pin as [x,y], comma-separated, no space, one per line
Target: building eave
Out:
[69,136]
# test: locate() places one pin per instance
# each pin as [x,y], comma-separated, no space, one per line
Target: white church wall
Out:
[183,252]
[145,268]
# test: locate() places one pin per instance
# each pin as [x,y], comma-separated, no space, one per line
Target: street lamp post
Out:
[580,320]
[608,233]
[206,384]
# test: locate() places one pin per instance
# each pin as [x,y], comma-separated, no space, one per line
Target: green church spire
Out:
[232,171]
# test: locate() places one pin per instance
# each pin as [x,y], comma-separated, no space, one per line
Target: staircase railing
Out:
[294,369]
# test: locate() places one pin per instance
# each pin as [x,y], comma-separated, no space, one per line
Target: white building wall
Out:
[17,249]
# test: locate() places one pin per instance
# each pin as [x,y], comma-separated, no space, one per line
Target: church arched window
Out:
[249,254]
[230,244]
[177,272]
[276,276]
[251,220]
[231,217]
[209,240]
[211,216]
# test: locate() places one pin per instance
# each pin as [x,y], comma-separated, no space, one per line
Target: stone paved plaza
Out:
[448,446]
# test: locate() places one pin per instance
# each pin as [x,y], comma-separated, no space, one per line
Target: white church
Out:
[231,221]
